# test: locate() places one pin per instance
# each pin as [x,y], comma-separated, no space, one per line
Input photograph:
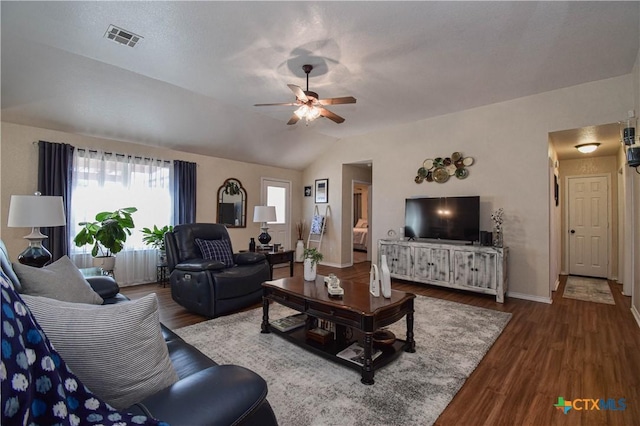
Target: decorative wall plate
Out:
[451,169]
[440,175]
[467,161]
[438,162]
[428,164]
[422,172]
[456,156]
[419,179]
[462,173]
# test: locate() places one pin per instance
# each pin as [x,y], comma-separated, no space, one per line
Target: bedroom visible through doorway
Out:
[360,222]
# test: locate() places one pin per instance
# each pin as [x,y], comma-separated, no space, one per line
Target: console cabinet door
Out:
[485,266]
[431,264]
[422,265]
[463,273]
[398,259]
[474,269]
[440,265]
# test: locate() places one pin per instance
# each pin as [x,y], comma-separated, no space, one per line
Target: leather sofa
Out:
[206,393]
[206,286]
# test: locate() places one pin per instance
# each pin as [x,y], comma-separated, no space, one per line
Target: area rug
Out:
[588,289]
[305,389]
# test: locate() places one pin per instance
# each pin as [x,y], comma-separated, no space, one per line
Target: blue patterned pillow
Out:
[37,386]
[216,250]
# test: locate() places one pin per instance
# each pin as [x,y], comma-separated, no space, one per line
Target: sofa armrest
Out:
[219,395]
[248,258]
[105,286]
[196,265]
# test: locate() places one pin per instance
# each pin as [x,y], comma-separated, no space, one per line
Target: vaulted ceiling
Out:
[191,82]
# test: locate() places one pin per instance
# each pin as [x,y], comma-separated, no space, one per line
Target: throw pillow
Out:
[118,351]
[61,280]
[216,250]
[38,388]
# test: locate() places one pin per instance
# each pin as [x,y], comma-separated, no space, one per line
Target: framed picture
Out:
[556,189]
[322,191]
[308,190]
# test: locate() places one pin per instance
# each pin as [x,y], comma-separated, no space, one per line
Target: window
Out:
[106,182]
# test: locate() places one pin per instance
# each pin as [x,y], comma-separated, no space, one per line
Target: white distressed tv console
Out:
[475,268]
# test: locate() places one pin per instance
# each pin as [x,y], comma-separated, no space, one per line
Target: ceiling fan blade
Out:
[337,101]
[281,104]
[294,119]
[331,116]
[298,92]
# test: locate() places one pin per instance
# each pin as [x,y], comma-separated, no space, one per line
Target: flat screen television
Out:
[445,218]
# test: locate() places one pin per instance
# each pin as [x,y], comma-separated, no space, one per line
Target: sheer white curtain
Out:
[107,182]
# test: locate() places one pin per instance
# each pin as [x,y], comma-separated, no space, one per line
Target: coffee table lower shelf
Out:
[330,349]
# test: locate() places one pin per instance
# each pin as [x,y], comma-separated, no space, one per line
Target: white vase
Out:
[385,277]
[300,251]
[309,270]
[374,280]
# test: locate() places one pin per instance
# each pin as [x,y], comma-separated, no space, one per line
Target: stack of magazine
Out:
[289,323]
[355,353]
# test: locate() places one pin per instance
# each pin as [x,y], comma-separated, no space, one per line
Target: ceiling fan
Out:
[310,106]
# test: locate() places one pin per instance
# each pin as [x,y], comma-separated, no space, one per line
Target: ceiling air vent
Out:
[121,36]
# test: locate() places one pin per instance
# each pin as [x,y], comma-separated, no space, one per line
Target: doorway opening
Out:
[361,238]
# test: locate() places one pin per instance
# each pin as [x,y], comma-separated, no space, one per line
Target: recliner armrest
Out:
[219,395]
[248,258]
[105,286]
[196,265]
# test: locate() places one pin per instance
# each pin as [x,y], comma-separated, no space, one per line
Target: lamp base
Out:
[264,237]
[35,255]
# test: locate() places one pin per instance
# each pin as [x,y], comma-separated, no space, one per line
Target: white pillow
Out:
[116,350]
[61,280]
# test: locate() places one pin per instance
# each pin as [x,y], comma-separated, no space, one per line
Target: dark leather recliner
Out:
[208,287]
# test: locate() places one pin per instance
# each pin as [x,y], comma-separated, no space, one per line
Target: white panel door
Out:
[588,226]
[278,193]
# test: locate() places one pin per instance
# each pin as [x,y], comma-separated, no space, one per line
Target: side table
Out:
[275,258]
[162,274]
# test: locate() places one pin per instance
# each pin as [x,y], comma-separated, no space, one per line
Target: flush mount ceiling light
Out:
[586,148]
[121,36]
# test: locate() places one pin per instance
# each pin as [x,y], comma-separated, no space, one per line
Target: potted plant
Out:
[107,234]
[311,258]
[155,238]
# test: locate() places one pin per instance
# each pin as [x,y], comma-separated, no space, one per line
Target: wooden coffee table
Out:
[357,315]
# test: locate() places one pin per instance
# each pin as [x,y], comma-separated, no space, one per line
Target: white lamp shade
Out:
[27,211]
[264,214]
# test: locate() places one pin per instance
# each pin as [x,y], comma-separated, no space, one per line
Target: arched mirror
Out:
[232,204]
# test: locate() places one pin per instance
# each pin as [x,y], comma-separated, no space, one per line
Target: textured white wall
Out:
[509,142]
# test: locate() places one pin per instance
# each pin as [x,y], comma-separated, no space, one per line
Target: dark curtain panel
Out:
[55,161]
[184,192]
[357,208]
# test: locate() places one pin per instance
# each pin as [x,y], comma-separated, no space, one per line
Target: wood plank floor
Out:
[571,349]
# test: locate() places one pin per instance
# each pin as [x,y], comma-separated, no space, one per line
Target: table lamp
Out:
[264,214]
[35,211]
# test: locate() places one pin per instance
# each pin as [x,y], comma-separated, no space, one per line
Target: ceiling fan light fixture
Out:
[586,148]
[313,113]
[301,112]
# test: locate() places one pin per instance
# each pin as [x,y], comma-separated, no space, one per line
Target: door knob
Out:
[573,231]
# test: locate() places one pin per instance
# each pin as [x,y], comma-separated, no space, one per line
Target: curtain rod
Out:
[118,155]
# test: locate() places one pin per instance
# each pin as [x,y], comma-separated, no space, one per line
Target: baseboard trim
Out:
[523,296]
[555,287]
[636,314]
[336,265]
